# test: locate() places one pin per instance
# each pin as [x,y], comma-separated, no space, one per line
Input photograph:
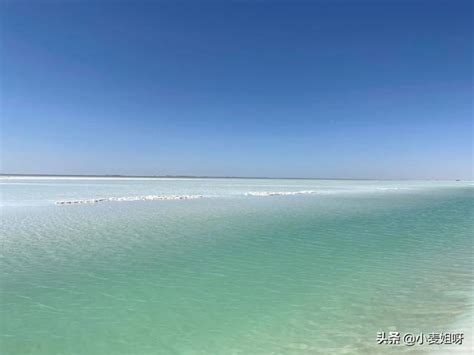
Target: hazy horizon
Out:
[362,89]
[46,175]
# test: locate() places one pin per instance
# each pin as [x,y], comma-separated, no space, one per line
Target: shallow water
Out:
[233,272]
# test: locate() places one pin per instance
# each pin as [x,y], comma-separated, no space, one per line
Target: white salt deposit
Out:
[130,198]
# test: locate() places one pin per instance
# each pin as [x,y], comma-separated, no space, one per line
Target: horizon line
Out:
[214,177]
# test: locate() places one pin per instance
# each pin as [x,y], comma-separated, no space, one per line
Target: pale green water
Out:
[318,273]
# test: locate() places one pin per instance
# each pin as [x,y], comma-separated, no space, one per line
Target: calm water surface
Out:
[318,272]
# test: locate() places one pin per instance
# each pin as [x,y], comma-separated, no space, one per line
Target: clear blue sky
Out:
[363,89]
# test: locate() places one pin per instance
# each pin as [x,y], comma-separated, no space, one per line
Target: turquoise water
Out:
[317,272]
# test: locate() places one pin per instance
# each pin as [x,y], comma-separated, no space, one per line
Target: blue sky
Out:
[348,89]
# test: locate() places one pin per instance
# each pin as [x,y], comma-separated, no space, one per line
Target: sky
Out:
[324,89]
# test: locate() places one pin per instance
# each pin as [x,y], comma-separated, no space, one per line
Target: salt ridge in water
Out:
[280,193]
[131,198]
[251,193]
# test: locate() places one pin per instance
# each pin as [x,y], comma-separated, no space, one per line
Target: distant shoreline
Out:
[173,177]
[204,177]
